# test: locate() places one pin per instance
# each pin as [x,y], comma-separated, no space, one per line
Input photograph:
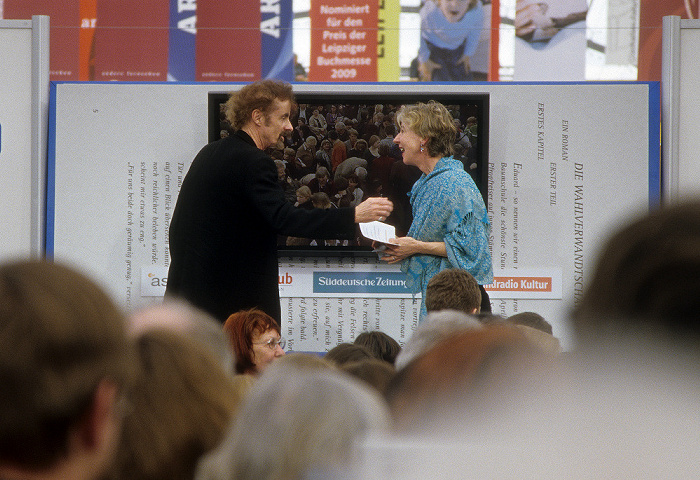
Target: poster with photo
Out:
[550,40]
[452,33]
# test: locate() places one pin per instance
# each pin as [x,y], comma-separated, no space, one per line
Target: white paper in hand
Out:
[378,231]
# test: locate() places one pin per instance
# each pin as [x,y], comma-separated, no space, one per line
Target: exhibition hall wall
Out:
[567,164]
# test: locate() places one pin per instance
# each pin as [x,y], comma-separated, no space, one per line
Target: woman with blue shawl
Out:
[450,226]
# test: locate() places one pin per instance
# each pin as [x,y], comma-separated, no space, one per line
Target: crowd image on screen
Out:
[347,151]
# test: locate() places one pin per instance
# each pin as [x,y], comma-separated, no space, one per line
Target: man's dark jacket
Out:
[223,233]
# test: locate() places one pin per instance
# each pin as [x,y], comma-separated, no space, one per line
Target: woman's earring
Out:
[422,148]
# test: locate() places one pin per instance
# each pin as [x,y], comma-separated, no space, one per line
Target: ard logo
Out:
[157,281]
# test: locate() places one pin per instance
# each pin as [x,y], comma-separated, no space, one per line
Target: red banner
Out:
[228,40]
[65,22]
[650,33]
[343,41]
[131,40]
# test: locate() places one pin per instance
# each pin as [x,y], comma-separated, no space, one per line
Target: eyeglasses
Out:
[273,342]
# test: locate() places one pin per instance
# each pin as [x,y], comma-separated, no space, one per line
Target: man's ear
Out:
[99,418]
[258,117]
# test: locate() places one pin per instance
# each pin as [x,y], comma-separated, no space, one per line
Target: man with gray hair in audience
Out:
[436,326]
[189,321]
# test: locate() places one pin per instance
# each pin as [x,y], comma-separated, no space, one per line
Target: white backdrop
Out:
[24,85]
[568,163]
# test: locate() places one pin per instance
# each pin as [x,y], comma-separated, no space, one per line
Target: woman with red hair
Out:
[255,339]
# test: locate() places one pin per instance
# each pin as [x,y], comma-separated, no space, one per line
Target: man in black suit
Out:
[223,234]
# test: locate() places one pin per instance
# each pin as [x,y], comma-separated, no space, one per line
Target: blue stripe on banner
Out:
[277,58]
[51,175]
[183,32]
[360,282]
[654,145]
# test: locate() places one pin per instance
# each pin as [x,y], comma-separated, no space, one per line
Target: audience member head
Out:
[646,280]
[181,407]
[453,289]
[321,200]
[537,330]
[303,194]
[302,360]
[190,321]
[490,318]
[311,141]
[353,180]
[380,344]
[255,338]
[464,380]
[322,173]
[384,150]
[65,366]
[347,352]
[340,183]
[260,95]
[281,169]
[298,423]
[373,371]
[436,326]
[531,319]
[390,129]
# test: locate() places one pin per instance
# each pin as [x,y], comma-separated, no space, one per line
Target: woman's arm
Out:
[408,246]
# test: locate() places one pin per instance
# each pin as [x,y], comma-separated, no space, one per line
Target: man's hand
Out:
[372,209]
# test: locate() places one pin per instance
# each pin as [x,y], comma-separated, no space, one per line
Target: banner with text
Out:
[388,69]
[131,41]
[343,41]
[159,40]
[651,14]
[375,281]
[65,34]
[228,40]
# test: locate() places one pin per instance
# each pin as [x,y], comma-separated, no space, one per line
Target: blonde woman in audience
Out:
[298,423]
[179,409]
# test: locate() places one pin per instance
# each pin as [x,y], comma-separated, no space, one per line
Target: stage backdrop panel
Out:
[681,104]
[569,163]
[24,97]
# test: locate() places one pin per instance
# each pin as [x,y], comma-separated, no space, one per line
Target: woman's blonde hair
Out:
[433,121]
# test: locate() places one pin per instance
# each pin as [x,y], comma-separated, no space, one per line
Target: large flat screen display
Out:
[341,151]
